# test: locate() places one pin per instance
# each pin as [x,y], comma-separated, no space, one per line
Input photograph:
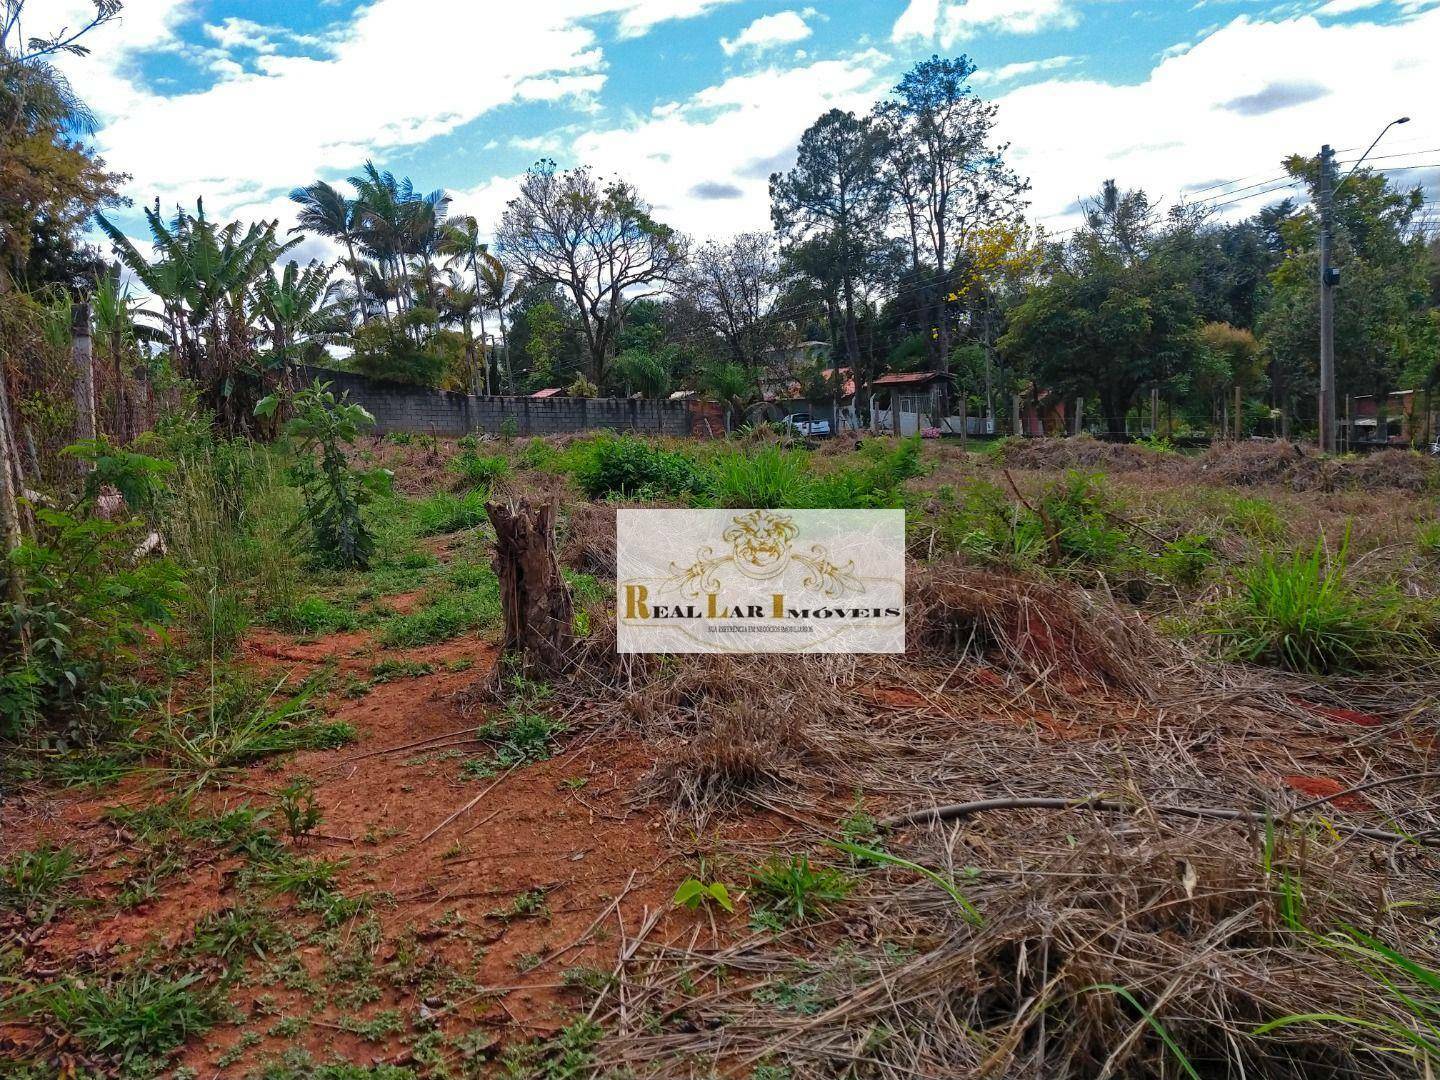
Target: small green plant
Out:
[796,889]
[445,512]
[694,893]
[523,905]
[335,494]
[884,858]
[1185,560]
[300,808]
[137,1018]
[1427,539]
[35,883]
[509,428]
[765,479]
[628,466]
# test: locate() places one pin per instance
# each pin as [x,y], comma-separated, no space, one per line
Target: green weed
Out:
[480,470]
[796,890]
[36,883]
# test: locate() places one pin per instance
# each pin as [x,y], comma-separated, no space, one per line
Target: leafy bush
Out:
[90,601]
[630,466]
[1073,511]
[314,616]
[334,493]
[543,455]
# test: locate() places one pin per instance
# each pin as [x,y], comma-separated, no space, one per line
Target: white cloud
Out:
[1023,67]
[705,162]
[398,74]
[952,21]
[1232,107]
[768,31]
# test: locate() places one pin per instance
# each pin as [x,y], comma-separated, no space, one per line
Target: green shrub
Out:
[629,466]
[1255,518]
[1185,560]
[542,455]
[334,493]
[1074,512]
[89,603]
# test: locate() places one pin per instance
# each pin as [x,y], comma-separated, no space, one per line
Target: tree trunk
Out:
[1237,412]
[1015,420]
[538,611]
[83,353]
[10,476]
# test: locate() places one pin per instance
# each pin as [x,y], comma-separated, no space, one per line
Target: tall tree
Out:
[833,193]
[947,173]
[597,240]
[1117,314]
[324,209]
[732,285]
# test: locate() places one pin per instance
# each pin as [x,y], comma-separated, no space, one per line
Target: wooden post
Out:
[1238,428]
[83,354]
[10,477]
[964,422]
[538,611]
[1015,419]
[1079,415]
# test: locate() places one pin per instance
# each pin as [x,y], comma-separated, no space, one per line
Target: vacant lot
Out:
[315,826]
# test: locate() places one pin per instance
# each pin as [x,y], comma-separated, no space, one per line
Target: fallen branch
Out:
[954,811]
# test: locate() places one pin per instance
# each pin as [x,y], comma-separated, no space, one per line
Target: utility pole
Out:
[1328,278]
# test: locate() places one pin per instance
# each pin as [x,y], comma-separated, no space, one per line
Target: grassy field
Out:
[315,827]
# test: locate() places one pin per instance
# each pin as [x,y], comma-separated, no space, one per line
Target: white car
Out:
[805,424]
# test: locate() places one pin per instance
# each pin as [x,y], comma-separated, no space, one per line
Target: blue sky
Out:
[697,100]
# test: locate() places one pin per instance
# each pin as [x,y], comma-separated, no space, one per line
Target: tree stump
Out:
[538,610]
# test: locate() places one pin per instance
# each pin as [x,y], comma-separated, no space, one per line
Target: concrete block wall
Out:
[425,410]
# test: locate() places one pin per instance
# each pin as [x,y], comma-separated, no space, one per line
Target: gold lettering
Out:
[710,609]
[777,606]
[635,606]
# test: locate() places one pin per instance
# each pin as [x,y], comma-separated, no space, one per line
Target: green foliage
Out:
[542,455]
[1427,539]
[694,893]
[90,600]
[136,1018]
[1296,612]
[314,616]
[299,807]
[632,467]
[1256,518]
[36,882]
[766,479]
[1185,560]
[570,1055]
[334,493]
[480,470]
[884,858]
[448,613]
[446,513]
[408,348]
[241,725]
[796,890]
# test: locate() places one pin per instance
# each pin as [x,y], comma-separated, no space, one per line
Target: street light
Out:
[1329,278]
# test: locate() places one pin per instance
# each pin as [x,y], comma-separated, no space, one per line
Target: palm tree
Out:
[499,290]
[325,210]
[293,305]
[462,243]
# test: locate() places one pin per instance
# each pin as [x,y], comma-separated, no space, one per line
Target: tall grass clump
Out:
[1297,612]
[765,479]
[479,471]
[631,467]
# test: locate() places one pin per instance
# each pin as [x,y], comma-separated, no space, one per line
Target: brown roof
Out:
[549,391]
[905,378]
